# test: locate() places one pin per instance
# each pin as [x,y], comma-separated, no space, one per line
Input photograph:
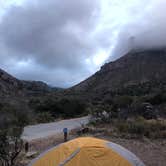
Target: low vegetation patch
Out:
[132,128]
[50,109]
[142,127]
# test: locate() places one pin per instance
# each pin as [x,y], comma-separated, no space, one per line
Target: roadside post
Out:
[26,147]
[65,132]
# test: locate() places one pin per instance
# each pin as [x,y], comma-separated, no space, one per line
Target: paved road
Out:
[49,129]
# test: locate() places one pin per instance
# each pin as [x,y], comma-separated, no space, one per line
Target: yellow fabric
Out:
[97,157]
[93,152]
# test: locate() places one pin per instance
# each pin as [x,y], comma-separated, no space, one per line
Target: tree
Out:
[65,108]
[12,122]
[10,146]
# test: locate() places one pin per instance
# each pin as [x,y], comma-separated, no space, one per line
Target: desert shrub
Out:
[157,99]
[145,110]
[44,117]
[122,101]
[135,90]
[71,108]
[64,108]
[102,113]
[11,114]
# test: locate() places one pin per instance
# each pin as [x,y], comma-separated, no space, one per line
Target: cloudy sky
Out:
[62,42]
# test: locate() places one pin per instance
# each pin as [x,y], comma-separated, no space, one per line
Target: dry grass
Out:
[133,128]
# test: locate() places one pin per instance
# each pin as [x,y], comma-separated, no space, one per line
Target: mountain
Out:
[11,86]
[136,80]
[136,71]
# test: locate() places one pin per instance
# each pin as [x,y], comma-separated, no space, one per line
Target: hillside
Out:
[145,69]
[135,77]
[131,70]
[11,86]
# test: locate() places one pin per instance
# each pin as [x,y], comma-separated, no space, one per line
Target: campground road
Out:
[48,129]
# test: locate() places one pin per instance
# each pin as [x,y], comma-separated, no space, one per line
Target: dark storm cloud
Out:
[64,41]
[53,33]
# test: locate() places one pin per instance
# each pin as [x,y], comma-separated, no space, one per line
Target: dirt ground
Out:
[151,152]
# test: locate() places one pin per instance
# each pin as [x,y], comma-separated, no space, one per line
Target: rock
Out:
[31,154]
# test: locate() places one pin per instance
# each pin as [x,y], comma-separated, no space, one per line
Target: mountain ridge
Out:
[135,68]
[138,62]
[136,77]
[11,86]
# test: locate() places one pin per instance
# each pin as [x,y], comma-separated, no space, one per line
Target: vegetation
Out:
[10,146]
[142,127]
[44,117]
[136,114]
[50,109]
[12,121]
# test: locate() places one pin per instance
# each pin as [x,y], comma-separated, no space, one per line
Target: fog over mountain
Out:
[62,42]
[146,31]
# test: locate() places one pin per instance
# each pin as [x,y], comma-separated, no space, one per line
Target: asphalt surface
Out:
[48,129]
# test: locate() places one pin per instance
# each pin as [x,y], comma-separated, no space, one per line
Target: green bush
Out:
[157,99]
[11,114]
[44,117]
[123,101]
[64,108]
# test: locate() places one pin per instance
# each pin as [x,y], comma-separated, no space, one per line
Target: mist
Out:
[144,33]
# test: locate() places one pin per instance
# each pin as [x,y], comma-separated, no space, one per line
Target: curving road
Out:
[48,129]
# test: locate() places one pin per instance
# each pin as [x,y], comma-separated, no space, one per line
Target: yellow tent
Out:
[87,151]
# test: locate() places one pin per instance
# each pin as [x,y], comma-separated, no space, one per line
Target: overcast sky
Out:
[62,42]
